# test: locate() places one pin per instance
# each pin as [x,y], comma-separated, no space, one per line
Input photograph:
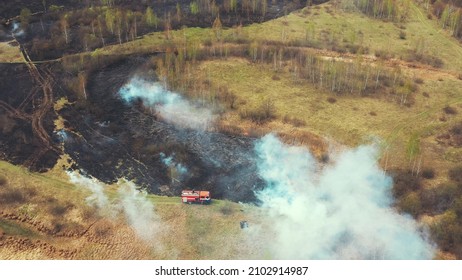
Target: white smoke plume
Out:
[62,134]
[342,211]
[17,30]
[139,211]
[137,208]
[170,162]
[97,198]
[170,106]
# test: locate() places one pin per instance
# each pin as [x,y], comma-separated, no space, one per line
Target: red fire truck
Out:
[193,196]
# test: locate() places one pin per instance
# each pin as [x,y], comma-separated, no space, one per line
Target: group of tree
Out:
[341,77]
[101,22]
[88,29]
[395,10]
[449,14]
[354,78]
[247,7]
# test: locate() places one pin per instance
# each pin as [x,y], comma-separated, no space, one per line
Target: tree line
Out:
[395,10]
[449,14]
[102,22]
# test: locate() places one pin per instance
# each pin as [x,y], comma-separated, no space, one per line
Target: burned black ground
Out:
[110,139]
[19,98]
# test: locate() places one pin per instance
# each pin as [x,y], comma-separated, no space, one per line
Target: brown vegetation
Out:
[450,110]
[260,115]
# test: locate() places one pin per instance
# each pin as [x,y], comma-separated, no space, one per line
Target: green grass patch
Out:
[13,229]
[9,53]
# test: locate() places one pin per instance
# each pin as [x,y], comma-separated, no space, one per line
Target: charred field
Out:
[110,140]
[227,172]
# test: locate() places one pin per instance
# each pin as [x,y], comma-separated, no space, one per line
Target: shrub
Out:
[450,110]
[325,158]
[58,210]
[57,227]
[102,229]
[402,35]
[331,100]
[456,137]
[455,174]
[383,54]
[227,97]
[12,196]
[428,173]
[424,58]
[439,199]
[411,204]
[3,180]
[448,233]
[457,129]
[404,182]
[227,208]
[419,81]
[458,208]
[55,8]
[294,121]
[263,113]
[230,129]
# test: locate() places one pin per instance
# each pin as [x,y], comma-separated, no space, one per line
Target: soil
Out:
[453,137]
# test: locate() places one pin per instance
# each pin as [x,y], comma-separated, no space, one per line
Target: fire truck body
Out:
[193,196]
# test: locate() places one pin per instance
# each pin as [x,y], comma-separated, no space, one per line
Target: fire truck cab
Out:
[193,196]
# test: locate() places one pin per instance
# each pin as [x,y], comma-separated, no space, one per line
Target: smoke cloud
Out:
[17,30]
[342,211]
[171,163]
[170,106]
[134,204]
[98,198]
[139,211]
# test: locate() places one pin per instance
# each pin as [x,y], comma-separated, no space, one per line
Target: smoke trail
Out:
[17,30]
[15,27]
[62,134]
[139,211]
[343,211]
[98,198]
[170,162]
[171,106]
